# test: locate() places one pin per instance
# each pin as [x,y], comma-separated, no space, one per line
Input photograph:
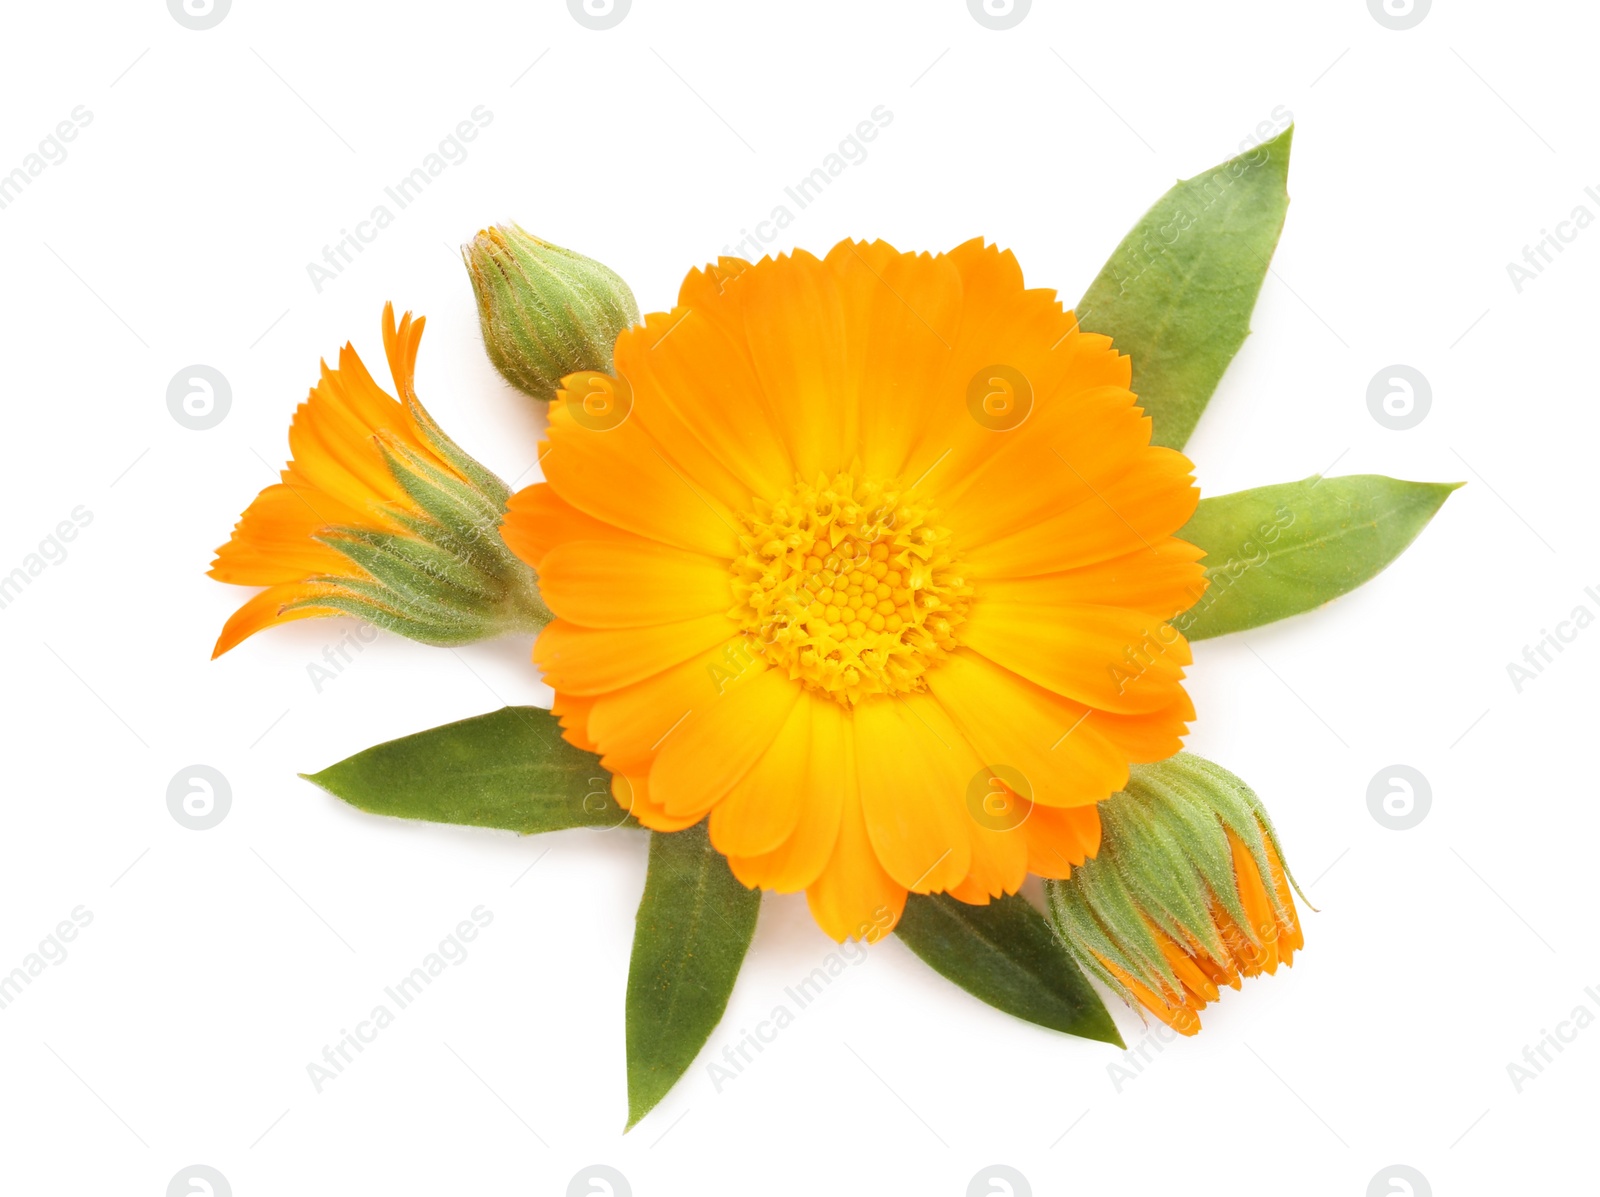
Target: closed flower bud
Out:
[547,312]
[1188,893]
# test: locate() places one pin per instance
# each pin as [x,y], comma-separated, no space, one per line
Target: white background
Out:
[177,231]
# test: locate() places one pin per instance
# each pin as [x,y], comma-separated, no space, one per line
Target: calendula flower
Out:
[1189,892]
[378,515]
[844,549]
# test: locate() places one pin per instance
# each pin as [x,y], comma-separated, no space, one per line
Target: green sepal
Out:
[486,482]
[509,769]
[372,602]
[447,577]
[1005,954]
[694,926]
[1170,895]
[468,515]
[423,577]
[466,520]
[1106,904]
[1178,291]
[1277,551]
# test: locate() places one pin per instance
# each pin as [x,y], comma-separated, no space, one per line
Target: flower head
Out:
[869,560]
[1189,892]
[546,311]
[379,515]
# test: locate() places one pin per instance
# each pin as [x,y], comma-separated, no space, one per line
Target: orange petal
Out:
[1003,323]
[1065,454]
[716,745]
[621,475]
[795,330]
[829,772]
[537,519]
[1160,581]
[696,392]
[1258,909]
[573,713]
[1181,1017]
[1054,743]
[914,782]
[1291,930]
[1134,511]
[1105,657]
[272,543]
[899,313]
[1061,838]
[594,660]
[853,896]
[630,723]
[632,791]
[631,583]
[761,809]
[268,608]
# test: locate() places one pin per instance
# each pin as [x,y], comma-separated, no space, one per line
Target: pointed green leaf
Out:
[1005,954]
[509,768]
[694,926]
[1178,292]
[1279,550]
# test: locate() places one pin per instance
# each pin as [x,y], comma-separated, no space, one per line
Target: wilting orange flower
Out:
[379,515]
[1189,892]
[847,550]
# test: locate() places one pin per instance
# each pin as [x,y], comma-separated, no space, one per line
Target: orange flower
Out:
[869,560]
[1189,892]
[378,515]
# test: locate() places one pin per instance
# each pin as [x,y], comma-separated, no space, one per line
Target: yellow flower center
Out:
[849,587]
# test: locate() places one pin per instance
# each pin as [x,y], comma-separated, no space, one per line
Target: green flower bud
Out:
[547,312]
[1189,891]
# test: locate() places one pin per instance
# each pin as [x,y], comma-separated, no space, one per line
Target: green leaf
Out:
[694,926]
[1178,292]
[1279,550]
[1005,954]
[509,768]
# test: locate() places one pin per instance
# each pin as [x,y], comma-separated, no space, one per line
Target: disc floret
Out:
[849,585]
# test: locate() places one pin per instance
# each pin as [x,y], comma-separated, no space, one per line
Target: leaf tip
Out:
[1439,492]
[640,1104]
[1107,1034]
[324,780]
